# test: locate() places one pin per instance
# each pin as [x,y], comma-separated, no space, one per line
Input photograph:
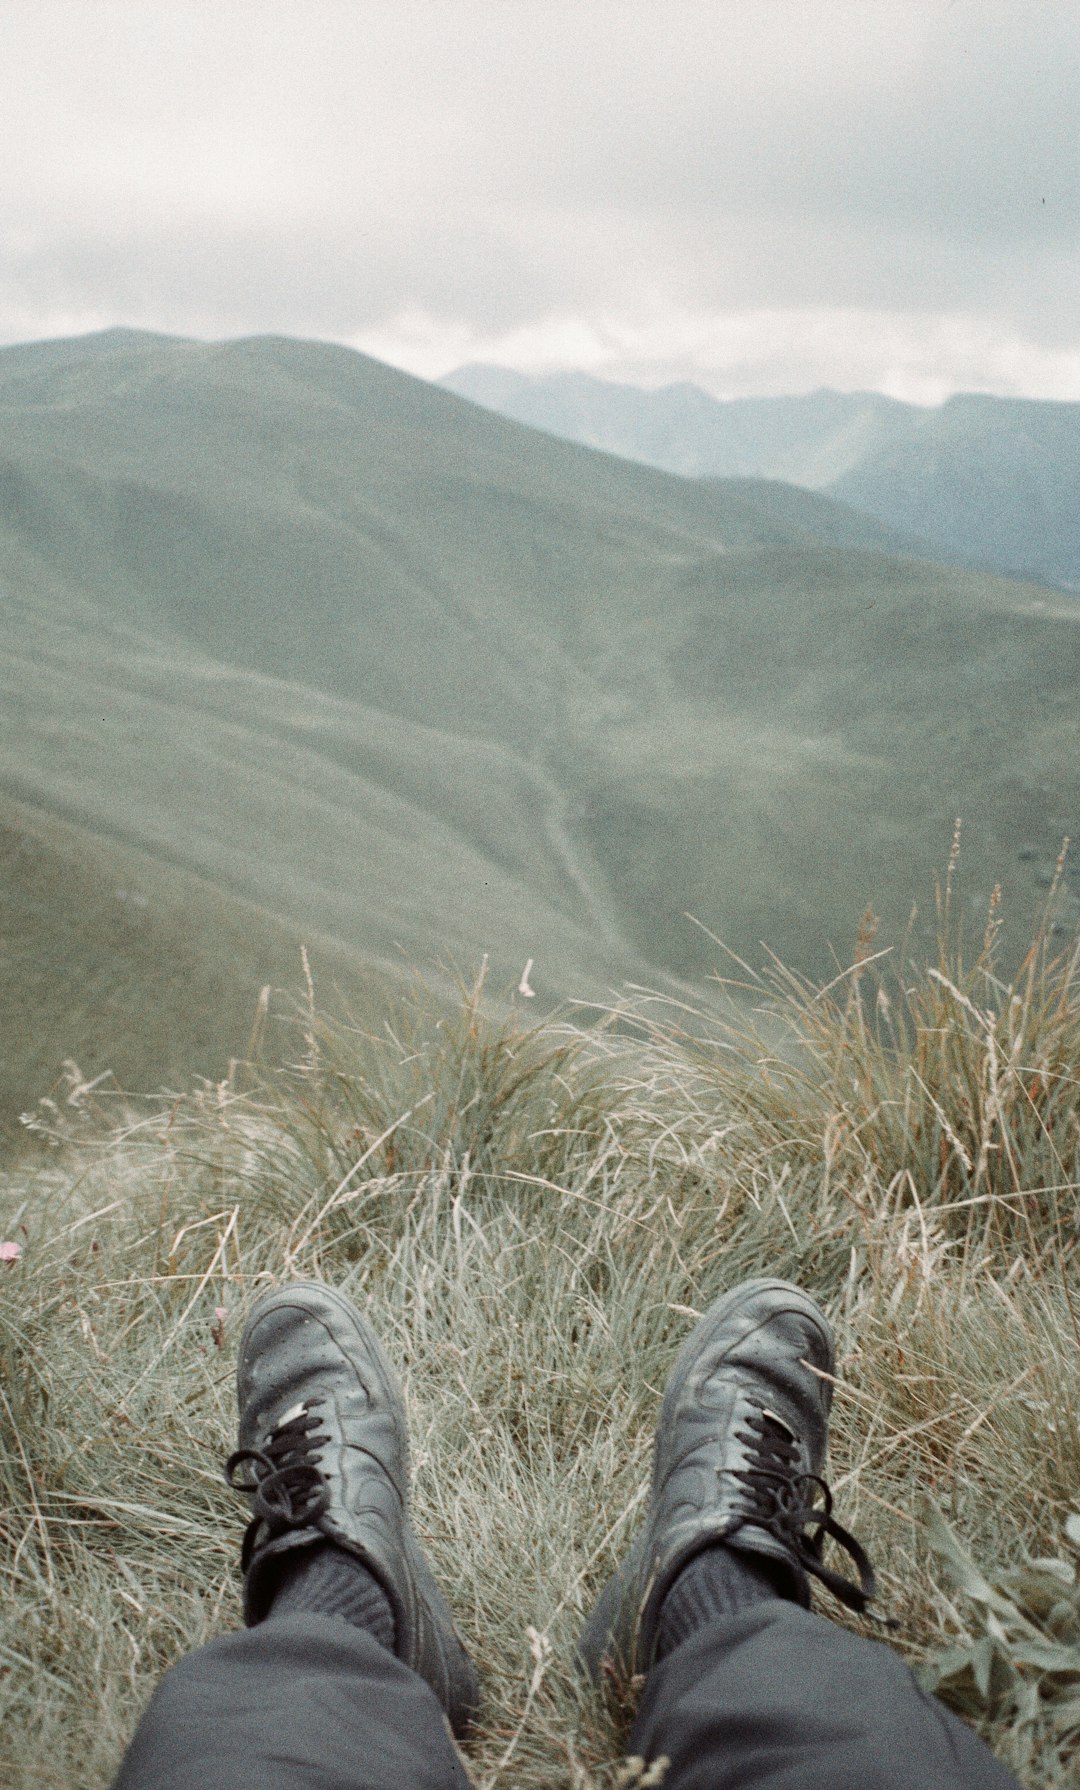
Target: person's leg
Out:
[745,1688]
[350,1672]
[777,1698]
[301,1703]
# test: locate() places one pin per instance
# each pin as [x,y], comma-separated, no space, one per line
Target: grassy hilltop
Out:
[296,648]
[532,1218]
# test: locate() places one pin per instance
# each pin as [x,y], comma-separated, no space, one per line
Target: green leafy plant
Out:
[1016,1657]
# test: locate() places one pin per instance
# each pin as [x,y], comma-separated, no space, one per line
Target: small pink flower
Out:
[10,1252]
[221,1312]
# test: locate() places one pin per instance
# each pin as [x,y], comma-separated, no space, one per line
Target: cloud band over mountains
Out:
[759,197]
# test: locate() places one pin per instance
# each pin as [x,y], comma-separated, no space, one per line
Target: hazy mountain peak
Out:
[988,481]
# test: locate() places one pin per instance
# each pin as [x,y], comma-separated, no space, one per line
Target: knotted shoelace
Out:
[287,1487]
[783,1501]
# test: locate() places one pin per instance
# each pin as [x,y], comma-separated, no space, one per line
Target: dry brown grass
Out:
[532,1216]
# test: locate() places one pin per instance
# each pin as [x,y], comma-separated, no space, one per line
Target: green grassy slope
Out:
[826,717]
[202,823]
[115,963]
[409,680]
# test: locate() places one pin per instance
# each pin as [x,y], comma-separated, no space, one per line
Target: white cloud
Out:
[747,192]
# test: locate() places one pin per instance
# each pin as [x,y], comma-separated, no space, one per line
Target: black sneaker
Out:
[740,1445]
[323,1434]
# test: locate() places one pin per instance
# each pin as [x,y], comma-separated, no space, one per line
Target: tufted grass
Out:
[532,1216]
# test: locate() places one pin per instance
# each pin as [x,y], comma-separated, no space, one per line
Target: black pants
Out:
[774,1698]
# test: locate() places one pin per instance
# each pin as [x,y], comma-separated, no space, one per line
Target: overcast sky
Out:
[759,195]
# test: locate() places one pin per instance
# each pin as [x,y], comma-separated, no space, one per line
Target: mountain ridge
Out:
[988,481]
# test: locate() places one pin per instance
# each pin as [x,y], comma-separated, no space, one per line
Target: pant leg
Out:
[777,1698]
[298,1703]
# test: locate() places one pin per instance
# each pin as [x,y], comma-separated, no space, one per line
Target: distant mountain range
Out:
[990,482]
[298,649]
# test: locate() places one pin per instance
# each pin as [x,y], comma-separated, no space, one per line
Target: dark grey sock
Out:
[326,1581]
[717,1582]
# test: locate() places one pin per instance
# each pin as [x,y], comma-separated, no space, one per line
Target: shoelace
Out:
[287,1488]
[782,1500]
